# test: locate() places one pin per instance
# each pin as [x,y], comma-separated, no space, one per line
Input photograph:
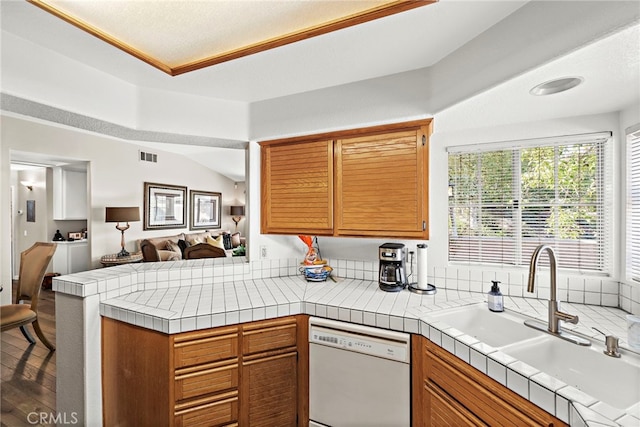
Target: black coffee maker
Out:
[392,257]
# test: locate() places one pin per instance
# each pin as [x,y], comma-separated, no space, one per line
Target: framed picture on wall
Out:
[165,206]
[206,208]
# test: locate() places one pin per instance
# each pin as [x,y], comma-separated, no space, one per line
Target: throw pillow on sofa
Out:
[173,246]
[226,239]
[194,240]
[217,242]
[183,244]
[235,239]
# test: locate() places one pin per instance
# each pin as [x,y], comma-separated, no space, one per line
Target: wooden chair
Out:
[33,265]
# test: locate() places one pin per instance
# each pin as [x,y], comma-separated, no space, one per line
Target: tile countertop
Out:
[180,300]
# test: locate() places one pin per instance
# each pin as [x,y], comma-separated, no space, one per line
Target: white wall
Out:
[171,112]
[39,74]
[27,233]
[6,203]
[239,199]
[116,177]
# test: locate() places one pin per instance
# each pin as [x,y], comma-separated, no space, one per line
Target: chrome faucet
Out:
[555,315]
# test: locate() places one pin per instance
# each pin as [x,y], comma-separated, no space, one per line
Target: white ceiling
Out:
[432,46]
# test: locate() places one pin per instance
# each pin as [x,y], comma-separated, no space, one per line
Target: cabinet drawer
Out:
[271,335]
[215,413]
[206,379]
[443,411]
[205,348]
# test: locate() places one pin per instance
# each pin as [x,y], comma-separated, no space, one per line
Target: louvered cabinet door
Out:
[458,394]
[383,183]
[297,188]
[269,391]
[443,411]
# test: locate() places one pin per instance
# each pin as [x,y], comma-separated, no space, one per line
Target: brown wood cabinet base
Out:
[256,374]
[447,391]
[250,374]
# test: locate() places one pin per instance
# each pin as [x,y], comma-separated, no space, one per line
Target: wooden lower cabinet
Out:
[447,391]
[252,374]
[270,391]
[271,371]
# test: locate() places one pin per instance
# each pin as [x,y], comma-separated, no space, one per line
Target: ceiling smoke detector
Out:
[556,86]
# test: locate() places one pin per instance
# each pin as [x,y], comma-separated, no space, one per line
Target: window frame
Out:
[632,201]
[602,206]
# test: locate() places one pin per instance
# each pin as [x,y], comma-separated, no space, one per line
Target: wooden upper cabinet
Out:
[361,182]
[383,183]
[297,188]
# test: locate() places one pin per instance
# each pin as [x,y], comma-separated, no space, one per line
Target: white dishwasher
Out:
[359,376]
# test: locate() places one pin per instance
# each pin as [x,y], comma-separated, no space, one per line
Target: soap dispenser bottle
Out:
[494,298]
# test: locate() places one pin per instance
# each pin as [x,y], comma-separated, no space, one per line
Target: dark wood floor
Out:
[28,388]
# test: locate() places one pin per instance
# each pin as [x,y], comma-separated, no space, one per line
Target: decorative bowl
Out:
[316,273]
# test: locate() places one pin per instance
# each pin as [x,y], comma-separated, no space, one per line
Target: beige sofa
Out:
[174,247]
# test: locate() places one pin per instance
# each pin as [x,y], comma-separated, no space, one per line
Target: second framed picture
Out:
[206,209]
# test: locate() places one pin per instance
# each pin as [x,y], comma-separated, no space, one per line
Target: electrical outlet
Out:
[25,232]
[263,252]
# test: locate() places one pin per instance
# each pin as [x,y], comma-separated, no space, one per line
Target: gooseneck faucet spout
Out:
[553,267]
[555,315]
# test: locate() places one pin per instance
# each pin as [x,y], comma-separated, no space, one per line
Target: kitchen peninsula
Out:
[177,297]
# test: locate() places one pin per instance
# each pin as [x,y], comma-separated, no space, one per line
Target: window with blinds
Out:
[633,206]
[504,202]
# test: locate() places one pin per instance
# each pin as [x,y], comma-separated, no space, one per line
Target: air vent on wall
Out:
[148,157]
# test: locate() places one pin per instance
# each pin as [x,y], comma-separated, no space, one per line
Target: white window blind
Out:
[633,206]
[506,201]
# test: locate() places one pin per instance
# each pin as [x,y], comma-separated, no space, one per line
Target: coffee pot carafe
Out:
[392,273]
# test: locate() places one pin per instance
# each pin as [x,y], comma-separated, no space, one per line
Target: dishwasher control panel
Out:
[366,344]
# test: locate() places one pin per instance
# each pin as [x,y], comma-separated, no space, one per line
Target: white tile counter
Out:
[173,297]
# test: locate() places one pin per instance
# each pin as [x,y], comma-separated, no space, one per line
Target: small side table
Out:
[113,259]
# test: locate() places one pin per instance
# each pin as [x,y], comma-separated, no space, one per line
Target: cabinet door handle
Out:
[270,358]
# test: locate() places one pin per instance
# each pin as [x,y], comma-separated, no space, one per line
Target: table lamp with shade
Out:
[126,215]
[237,212]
